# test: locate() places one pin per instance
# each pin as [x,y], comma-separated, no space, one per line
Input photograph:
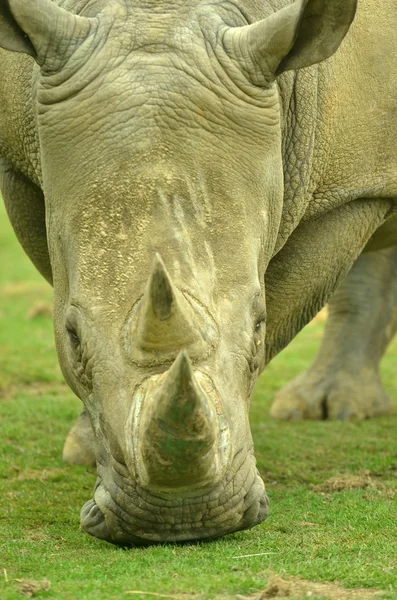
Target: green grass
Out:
[348,536]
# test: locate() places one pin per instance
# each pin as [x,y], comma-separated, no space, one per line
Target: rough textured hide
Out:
[214,136]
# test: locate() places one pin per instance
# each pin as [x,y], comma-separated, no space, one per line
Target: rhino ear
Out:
[302,34]
[39,28]
[12,37]
[321,29]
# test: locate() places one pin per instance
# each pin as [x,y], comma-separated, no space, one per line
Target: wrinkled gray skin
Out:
[178,170]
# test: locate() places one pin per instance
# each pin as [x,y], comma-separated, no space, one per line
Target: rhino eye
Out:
[261,320]
[74,338]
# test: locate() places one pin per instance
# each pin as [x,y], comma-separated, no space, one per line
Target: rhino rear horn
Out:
[166,321]
[41,29]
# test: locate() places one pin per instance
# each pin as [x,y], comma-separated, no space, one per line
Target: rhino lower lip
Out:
[124,514]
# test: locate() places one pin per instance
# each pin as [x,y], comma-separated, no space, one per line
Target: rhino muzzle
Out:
[179,475]
[180,480]
[122,512]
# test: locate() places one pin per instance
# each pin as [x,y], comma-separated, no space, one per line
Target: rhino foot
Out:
[79,447]
[341,395]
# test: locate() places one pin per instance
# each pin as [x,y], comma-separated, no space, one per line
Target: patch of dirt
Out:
[389,493]
[346,482]
[37,536]
[277,587]
[158,595]
[41,388]
[4,392]
[294,588]
[41,309]
[41,475]
[30,587]
[20,288]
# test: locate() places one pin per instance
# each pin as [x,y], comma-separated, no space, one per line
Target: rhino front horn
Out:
[178,433]
[166,320]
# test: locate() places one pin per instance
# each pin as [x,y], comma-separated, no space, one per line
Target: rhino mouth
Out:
[121,512]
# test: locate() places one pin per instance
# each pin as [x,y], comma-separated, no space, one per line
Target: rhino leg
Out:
[24,202]
[343,382]
[79,448]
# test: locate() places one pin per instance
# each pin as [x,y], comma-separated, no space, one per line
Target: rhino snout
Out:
[124,513]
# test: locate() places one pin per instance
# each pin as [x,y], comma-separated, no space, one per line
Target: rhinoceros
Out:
[195,179]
